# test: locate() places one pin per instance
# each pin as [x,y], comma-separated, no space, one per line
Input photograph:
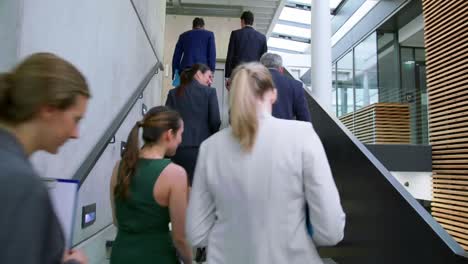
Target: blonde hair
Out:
[41,79]
[250,81]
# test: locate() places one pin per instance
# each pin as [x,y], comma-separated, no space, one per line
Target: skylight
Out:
[295,15]
[292,31]
[287,44]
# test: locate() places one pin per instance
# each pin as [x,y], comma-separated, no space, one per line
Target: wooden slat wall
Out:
[446,38]
[381,123]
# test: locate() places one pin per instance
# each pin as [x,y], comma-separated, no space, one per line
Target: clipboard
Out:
[64,197]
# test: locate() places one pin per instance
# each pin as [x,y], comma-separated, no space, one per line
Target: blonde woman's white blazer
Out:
[249,207]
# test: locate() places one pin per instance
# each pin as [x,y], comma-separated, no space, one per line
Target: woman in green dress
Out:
[148,192]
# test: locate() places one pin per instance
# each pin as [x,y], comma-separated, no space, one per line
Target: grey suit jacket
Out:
[29,229]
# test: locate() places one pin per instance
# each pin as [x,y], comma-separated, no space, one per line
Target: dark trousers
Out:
[187,158]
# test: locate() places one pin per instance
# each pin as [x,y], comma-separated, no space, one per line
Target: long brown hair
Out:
[158,120]
[187,75]
[250,81]
[41,79]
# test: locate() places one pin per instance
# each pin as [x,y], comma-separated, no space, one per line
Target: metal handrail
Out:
[83,171]
[161,66]
[88,164]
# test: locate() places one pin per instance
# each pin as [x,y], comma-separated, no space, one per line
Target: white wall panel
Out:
[106,41]
[419,184]
[9,24]
[107,44]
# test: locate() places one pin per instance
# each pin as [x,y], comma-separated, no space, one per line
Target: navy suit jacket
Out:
[291,102]
[194,46]
[198,106]
[245,45]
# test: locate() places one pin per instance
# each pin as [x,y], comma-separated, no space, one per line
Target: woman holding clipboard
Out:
[42,101]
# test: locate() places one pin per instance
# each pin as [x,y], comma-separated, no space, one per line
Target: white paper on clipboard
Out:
[64,196]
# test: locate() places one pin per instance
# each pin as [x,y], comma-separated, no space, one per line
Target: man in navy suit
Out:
[245,44]
[291,102]
[194,46]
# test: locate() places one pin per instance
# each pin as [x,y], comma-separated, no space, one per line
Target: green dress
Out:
[143,233]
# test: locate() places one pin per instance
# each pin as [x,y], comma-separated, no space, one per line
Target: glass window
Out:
[420,55]
[365,72]
[413,81]
[334,93]
[423,127]
[344,85]
[389,80]
[407,74]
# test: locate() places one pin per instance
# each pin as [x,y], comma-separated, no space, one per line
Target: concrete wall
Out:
[176,25]
[110,48]
[106,41]
[154,19]
[96,187]
[95,247]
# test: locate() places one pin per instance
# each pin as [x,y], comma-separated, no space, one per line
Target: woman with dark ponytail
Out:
[254,179]
[148,192]
[42,101]
[198,105]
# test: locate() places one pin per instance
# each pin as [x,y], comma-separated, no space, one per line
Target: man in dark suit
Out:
[194,46]
[291,102]
[245,44]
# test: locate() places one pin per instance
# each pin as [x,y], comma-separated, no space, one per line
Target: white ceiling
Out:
[285,22]
[263,10]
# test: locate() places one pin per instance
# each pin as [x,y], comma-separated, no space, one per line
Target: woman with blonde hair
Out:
[253,180]
[148,192]
[42,101]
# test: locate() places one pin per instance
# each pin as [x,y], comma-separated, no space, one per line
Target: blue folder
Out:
[176,81]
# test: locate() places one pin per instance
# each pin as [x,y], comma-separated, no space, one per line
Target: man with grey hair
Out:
[291,103]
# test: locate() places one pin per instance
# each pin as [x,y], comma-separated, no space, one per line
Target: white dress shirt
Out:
[249,207]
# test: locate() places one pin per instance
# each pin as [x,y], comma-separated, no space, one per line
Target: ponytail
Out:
[244,120]
[250,81]
[187,76]
[128,163]
[157,121]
